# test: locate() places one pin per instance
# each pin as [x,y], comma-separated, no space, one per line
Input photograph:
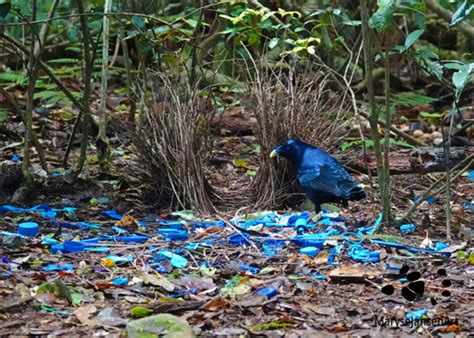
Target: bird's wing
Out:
[326,177]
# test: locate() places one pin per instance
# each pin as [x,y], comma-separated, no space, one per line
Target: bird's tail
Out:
[355,193]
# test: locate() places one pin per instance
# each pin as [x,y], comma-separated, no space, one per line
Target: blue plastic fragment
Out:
[309,251]
[316,240]
[271,247]
[43,209]
[333,253]
[417,314]
[174,234]
[441,246]
[126,239]
[15,158]
[470,175]
[97,248]
[269,292]
[49,241]
[58,267]
[175,225]
[319,276]
[361,254]
[120,259]
[29,229]
[238,239]
[55,248]
[176,260]
[73,246]
[429,200]
[112,214]
[408,247]
[90,241]
[120,281]
[469,205]
[119,230]
[253,270]
[407,228]
[393,267]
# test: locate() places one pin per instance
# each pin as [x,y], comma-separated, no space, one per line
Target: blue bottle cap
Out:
[310,251]
[73,246]
[29,229]
[269,292]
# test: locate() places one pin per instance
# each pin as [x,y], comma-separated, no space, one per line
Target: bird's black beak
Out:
[273,153]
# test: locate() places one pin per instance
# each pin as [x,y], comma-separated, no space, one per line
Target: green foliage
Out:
[411,99]
[383,17]
[368,144]
[3,115]
[462,12]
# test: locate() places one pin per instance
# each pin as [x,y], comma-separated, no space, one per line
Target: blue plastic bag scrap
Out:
[176,260]
[407,228]
[361,254]
[120,281]
[239,239]
[269,292]
[417,314]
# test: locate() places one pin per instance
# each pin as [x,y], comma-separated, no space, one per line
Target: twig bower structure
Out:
[175,143]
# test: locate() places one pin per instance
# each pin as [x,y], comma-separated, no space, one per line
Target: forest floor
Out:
[231,274]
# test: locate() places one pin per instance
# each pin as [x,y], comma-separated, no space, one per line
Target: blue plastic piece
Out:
[176,260]
[359,253]
[470,175]
[208,224]
[58,267]
[49,241]
[112,214]
[120,281]
[29,229]
[238,239]
[316,240]
[90,241]
[407,228]
[174,234]
[15,158]
[417,314]
[441,246]
[120,259]
[253,270]
[271,247]
[175,225]
[97,249]
[73,246]
[57,248]
[408,247]
[309,251]
[127,239]
[119,230]
[319,276]
[269,292]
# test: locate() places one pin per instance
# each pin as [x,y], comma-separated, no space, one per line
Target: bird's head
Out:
[290,149]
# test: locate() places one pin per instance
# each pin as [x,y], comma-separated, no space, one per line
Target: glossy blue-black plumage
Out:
[322,177]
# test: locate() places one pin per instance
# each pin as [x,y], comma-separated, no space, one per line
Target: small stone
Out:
[162,325]
[437,141]
[418,133]
[436,134]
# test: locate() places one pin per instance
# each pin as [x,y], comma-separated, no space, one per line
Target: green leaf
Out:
[4,9]
[434,68]
[412,38]
[273,42]
[461,78]
[251,172]
[461,13]
[3,115]
[383,17]
[140,312]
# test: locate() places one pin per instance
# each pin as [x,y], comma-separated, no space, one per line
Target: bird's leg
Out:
[352,215]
